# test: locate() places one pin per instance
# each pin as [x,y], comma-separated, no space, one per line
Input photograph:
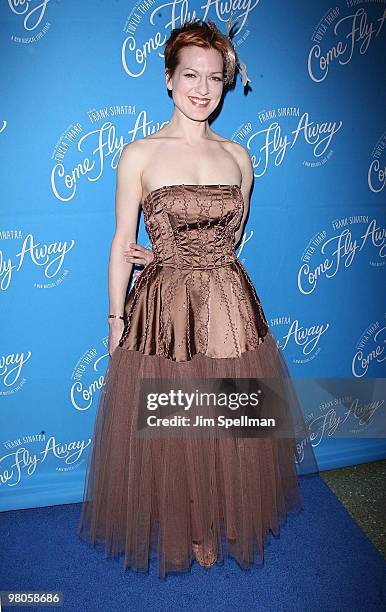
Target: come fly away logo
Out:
[25,456]
[341,35]
[42,262]
[30,20]
[86,149]
[161,18]
[305,341]
[330,252]
[280,130]
[369,356]
[13,372]
[88,376]
[376,175]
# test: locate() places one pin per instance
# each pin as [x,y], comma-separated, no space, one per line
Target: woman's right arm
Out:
[128,196]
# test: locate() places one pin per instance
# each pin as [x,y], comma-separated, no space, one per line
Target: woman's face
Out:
[197,83]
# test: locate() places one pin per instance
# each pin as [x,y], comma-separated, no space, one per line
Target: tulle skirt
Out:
[149,497]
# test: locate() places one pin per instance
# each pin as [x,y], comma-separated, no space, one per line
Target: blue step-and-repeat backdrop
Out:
[79,80]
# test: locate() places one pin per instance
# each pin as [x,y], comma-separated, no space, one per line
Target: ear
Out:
[169,83]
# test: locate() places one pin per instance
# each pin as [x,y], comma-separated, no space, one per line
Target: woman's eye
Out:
[193,75]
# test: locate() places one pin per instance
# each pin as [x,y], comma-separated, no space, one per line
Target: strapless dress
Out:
[193,313]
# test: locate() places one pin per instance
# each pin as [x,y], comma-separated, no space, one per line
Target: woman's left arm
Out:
[246,168]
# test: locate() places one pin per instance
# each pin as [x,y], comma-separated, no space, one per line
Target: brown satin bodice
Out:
[193,225]
[195,296]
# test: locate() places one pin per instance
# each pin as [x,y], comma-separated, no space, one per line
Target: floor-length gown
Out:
[192,313]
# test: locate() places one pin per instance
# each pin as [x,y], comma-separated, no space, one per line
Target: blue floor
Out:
[322,561]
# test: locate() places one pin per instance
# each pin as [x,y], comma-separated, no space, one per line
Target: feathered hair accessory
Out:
[231,58]
[240,65]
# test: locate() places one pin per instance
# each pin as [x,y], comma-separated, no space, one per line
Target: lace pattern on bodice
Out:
[195,296]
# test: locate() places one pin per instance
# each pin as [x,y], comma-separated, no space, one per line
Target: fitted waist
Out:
[194,265]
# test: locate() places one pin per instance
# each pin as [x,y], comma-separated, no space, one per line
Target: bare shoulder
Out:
[241,154]
[140,152]
[133,152]
[129,178]
[134,159]
[237,150]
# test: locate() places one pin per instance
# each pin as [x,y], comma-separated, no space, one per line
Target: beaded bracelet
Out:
[112,316]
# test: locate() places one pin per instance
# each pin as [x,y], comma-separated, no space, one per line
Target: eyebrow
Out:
[215,72]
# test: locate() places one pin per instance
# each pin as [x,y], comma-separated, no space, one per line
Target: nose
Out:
[202,87]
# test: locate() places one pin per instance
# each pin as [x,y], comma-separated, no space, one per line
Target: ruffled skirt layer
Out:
[155,497]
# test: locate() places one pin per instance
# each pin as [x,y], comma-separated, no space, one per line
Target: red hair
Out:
[205,35]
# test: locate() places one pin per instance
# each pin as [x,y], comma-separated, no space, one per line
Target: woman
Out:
[192,314]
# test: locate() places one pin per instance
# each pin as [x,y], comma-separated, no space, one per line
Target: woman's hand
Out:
[115,334]
[137,254]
